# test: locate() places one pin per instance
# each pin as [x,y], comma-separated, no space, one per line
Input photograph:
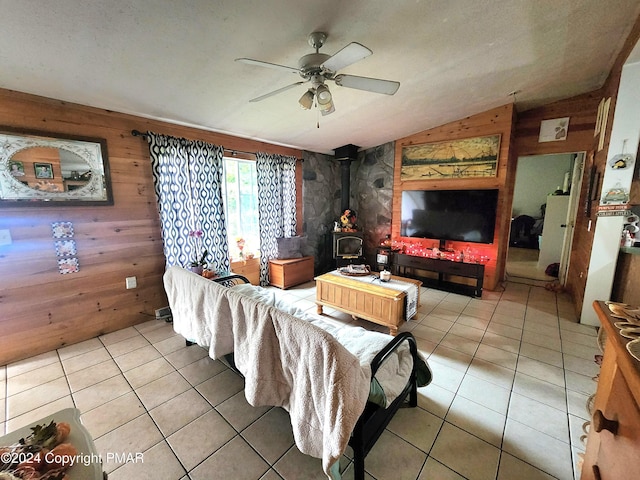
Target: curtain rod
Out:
[138,133]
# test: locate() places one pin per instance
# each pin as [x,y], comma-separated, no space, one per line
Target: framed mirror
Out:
[50,169]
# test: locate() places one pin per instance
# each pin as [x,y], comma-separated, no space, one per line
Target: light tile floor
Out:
[512,376]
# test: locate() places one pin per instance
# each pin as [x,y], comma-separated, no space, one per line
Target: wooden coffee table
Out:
[371,301]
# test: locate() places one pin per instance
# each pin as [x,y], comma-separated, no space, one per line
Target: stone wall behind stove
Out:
[371,196]
[321,203]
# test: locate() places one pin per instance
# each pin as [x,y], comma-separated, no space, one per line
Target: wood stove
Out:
[347,248]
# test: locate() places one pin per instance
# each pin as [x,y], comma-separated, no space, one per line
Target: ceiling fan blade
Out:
[275,92]
[375,85]
[250,61]
[348,55]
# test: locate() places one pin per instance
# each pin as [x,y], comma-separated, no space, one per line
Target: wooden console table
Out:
[367,300]
[409,266]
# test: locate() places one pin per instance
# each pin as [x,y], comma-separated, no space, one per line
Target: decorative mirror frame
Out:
[13,193]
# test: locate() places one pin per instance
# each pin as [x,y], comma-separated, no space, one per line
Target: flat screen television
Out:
[461,215]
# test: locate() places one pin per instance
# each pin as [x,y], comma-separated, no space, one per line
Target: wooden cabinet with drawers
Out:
[613,444]
[290,272]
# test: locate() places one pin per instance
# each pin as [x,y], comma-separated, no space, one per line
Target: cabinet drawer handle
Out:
[600,422]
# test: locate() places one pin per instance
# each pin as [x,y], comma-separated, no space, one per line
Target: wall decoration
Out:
[65,248]
[466,158]
[597,128]
[595,189]
[614,200]
[592,190]
[68,265]
[43,170]
[614,195]
[603,122]
[554,130]
[62,229]
[616,185]
[621,161]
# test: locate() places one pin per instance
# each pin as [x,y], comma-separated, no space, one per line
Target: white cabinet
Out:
[553,230]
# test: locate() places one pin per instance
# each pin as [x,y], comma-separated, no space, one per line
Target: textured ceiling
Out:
[174,60]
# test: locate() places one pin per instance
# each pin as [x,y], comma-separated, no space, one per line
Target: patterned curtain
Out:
[276,205]
[187,177]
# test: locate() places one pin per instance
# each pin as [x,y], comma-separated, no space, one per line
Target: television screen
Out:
[462,215]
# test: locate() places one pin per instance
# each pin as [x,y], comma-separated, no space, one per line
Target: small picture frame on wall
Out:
[554,130]
[43,170]
[16,169]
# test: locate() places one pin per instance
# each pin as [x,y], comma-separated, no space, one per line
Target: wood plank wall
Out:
[583,111]
[40,309]
[496,121]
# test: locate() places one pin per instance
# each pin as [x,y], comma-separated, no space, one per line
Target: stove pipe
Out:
[345,155]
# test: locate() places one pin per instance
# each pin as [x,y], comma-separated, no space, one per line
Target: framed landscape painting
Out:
[465,158]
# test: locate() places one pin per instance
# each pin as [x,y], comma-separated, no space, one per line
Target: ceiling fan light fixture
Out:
[329,109]
[323,96]
[325,107]
[306,100]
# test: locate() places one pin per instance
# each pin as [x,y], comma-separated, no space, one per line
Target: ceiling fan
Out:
[317,68]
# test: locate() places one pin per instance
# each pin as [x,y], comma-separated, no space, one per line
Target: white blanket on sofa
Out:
[286,361]
[393,374]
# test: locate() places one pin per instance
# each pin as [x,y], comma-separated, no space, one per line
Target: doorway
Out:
[543,217]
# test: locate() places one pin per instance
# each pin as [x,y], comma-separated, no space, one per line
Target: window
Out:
[241,206]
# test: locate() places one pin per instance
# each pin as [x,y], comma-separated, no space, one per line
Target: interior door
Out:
[553,231]
[574,197]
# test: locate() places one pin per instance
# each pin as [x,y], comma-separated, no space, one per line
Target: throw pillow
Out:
[289,248]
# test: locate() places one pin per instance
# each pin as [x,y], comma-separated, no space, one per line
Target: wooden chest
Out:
[375,302]
[290,272]
[249,268]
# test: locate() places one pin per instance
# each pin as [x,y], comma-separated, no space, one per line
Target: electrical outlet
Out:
[5,237]
[131,282]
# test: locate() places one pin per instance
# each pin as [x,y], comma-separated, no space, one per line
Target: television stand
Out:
[412,266]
